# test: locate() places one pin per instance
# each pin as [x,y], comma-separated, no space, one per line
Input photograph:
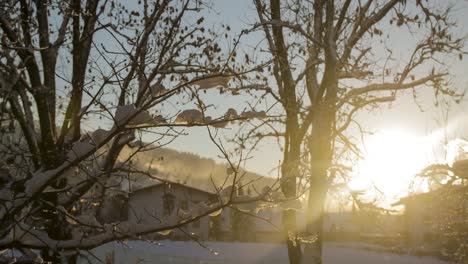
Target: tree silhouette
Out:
[82,82]
[330,61]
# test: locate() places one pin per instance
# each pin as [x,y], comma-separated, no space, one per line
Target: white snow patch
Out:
[123,113]
[254,114]
[213,82]
[247,207]
[216,213]
[190,116]
[231,113]
[219,123]
[37,180]
[157,89]
[159,119]
[98,136]
[165,232]
[79,149]
[178,252]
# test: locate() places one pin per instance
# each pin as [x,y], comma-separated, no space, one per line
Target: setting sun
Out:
[219,131]
[391,159]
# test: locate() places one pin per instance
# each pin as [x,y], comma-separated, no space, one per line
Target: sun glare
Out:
[391,159]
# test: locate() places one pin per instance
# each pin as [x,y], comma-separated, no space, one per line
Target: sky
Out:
[407,136]
[402,115]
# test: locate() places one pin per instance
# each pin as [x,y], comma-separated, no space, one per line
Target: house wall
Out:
[147,205]
[264,227]
[429,218]
[340,222]
[417,222]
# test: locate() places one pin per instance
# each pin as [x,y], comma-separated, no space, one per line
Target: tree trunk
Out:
[294,247]
[315,213]
[289,171]
[320,148]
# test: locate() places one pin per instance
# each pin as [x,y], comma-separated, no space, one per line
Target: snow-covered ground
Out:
[227,253]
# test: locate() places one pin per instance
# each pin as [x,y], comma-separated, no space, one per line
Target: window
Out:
[184,204]
[168,203]
[213,199]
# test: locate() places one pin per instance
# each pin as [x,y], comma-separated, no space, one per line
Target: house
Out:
[250,226]
[431,218]
[235,222]
[269,226]
[154,202]
[340,222]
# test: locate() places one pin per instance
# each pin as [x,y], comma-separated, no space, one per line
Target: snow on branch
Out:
[129,115]
[157,90]
[39,180]
[190,116]
[80,148]
[25,236]
[195,116]
[231,113]
[254,114]
[99,136]
[208,82]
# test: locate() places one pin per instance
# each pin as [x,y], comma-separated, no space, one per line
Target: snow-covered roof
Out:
[162,184]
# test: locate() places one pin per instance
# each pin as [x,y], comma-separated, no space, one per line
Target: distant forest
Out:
[191,169]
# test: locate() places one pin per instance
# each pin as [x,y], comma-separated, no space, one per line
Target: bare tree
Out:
[330,60]
[81,83]
[448,203]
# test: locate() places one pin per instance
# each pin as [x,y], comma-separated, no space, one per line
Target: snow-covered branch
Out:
[24,235]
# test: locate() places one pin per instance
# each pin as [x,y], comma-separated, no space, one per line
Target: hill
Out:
[191,169]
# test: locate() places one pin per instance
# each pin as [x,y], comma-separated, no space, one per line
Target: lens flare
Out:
[390,162]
